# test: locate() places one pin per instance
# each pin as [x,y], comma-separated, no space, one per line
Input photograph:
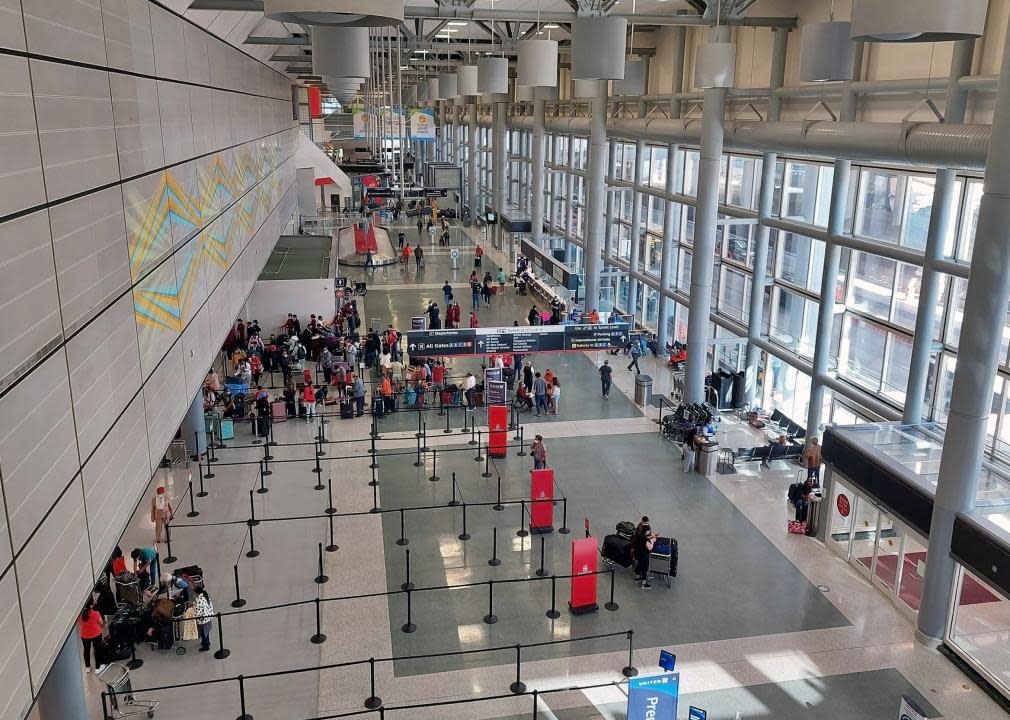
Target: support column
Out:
[636,228]
[705,227]
[941,216]
[569,191]
[766,196]
[499,164]
[194,430]
[832,256]
[471,161]
[609,232]
[671,221]
[594,194]
[537,170]
[61,696]
[977,358]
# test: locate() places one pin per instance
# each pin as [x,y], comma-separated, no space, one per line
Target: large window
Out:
[656,177]
[744,179]
[806,192]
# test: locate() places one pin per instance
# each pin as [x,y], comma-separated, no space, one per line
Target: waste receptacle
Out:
[643,389]
[708,457]
[813,513]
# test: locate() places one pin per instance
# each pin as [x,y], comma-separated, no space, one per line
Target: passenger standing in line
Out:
[475,293]
[528,376]
[309,401]
[470,391]
[605,377]
[540,393]
[555,391]
[90,625]
[161,513]
[326,363]
[204,610]
[359,394]
[812,461]
[641,544]
[636,352]
[539,452]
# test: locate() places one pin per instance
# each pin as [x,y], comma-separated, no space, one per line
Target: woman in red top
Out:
[309,401]
[473,319]
[90,624]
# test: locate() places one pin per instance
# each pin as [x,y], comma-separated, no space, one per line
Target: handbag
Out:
[188,630]
[796,527]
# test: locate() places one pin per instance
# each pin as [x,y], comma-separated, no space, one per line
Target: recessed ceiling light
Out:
[449,30]
[458,22]
[555,26]
[540,32]
[421,52]
[405,67]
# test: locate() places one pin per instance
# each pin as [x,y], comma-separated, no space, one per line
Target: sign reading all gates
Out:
[654,697]
[542,501]
[585,552]
[452,341]
[498,424]
[514,339]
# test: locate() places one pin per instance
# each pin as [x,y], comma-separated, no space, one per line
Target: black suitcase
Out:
[346,408]
[626,528]
[617,549]
[378,407]
[262,426]
[166,636]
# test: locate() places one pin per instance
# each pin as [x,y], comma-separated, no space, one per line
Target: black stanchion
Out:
[564,529]
[319,638]
[318,469]
[498,507]
[403,541]
[495,561]
[319,448]
[332,547]
[474,440]
[407,584]
[193,512]
[321,578]
[211,447]
[522,442]
[517,435]
[270,426]
[375,499]
[375,458]
[374,481]
[419,462]
[241,699]
[536,704]
[199,464]
[262,489]
[418,433]
[253,552]
[409,626]
[424,436]
[222,651]
[466,419]
[464,536]
[522,531]
[330,510]
[541,571]
[135,662]
[267,457]
[487,463]
[660,418]
[611,605]
[252,511]
[203,493]
[454,502]
[490,618]
[479,457]
[375,428]
[238,601]
[518,687]
[447,413]
[434,467]
[629,670]
[373,701]
[170,558]
[553,613]
[255,431]
[210,473]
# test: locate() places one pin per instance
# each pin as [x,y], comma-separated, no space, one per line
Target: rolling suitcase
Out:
[346,408]
[278,411]
[617,549]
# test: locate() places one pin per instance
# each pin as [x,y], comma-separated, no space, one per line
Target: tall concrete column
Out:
[594,194]
[977,359]
[499,164]
[944,208]
[610,234]
[471,160]
[671,221]
[766,197]
[832,255]
[537,170]
[194,430]
[569,191]
[636,227]
[61,696]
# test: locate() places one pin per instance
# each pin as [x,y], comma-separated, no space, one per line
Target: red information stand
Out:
[584,556]
[542,501]
[498,425]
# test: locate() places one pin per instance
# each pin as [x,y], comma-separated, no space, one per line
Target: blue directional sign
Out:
[654,697]
[694,713]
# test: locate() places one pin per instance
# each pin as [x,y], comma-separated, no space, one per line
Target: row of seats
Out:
[767,453]
[789,428]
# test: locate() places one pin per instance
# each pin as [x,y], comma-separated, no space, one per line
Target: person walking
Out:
[540,393]
[485,291]
[358,391]
[528,376]
[689,446]
[539,452]
[309,401]
[636,352]
[447,293]
[478,254]
[470,391]
[475,293]
[369,260]
[473,320]
[400,238]
[555,391]
[419,257]
[161,513]
[605,377]
[204,610]
[90,625]
[420,228]
[812,461]
[502,277]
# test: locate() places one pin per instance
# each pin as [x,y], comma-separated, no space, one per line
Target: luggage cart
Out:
[123,702]
[662,559]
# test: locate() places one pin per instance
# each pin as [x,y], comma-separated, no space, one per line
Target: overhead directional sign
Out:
[515,339]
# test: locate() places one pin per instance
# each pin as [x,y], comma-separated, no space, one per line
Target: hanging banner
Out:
[422,123]
[654,697]
[498,424]
[391,123]
[360,118]
[315,102]
[585,552]
[542,501]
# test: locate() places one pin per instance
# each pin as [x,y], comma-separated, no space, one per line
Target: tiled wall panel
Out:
[129,43]
[15,689]
[176,121]
[166,402]
[12,30]
[136,112]
[21,182]
[70,29]
[169,42]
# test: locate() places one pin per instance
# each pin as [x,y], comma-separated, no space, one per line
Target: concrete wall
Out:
[272,300]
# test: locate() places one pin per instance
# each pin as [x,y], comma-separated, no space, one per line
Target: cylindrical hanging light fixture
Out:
[634,78]
[599,44]
[538,63]
[422,91]
[360,13]
[715,65]
[917,20]
[466,80]
[545,93]
[447,86]
[825,52]
[523,93]
[584,88]
[492,76]
[340,51]
[434,91]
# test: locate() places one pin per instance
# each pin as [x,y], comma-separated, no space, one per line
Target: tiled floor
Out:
[751,630]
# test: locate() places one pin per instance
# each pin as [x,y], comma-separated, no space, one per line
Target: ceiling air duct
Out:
[349,13]
[917,20]
[466,80]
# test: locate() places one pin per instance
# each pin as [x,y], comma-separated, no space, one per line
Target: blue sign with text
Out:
[667,660]
[694,713]
[654,697]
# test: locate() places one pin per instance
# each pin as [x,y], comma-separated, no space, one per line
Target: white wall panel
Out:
[129,43]
[21,183]
[104,372]
[197,68]
[176,121]
[137,116]
[92,266]
[148,227]
[54,573]
[158,314]
[15,691]
[197,351]
[113,479]
[202,106]
[169,55]
[74,110]
[222,119]
[12,29]
[70,29]
[29,303]
[185,187]
[165,402]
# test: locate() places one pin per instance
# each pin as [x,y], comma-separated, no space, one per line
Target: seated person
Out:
[523,396]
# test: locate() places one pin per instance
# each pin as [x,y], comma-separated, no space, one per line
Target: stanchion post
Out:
[466,417]
[611,605]
[241,699]
[464,536]
[210,473]
[479,457]
[409,626]
[407,584]
[193,512]
[203,493]
[375,457]
[319,638]
[536,704]
[135,662]
[238,601]
[447,414]
[318,469]
[266,462]
[270,427]
[321,578]
[330,510]
[170,558]
[374,481]
[403,541]
[629,670]
[267,457]
[454,502]
[419,462]
[522,531]
[474,435]
[495,561]
[373,701]
[222,651]
[252,511]
[522,442]
[564,529]
[434,466]
[319,448]
[498,507]
[375,499]
[490,618]
[332,547]
[553,613]
[253,552]
[517,427]
[262,489]
[541,571]
[487,463]
[418,433]
[424,435]
[518,687]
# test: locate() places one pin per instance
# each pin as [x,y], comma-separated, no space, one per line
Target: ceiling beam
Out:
[267,40]
[280,57]
[485,14]
[241,5]
[428,36]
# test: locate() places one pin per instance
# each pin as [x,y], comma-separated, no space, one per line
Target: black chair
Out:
[761,453]
[743,455]
[800,433]
[793,452]
[792,428]
[776,417]
[776,452]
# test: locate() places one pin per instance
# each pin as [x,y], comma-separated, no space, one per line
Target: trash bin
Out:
[643,390]
[813,514]
[708,457]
